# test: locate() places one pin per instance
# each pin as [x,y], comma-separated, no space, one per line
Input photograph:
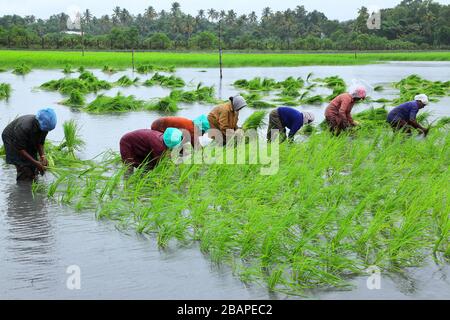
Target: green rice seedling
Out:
[378,88]
[350,201]
[291,82]
[147,68]
[76,99]
[334,81]
[81,69]
[2,70]
[167,104]
[5,91]
[169,82]
[443,122]
[423,118]
[337,90]
[124,81]
[119,103]
[108,69]
[67,69]
[413,85]
[22,69]
[291,91]
[316,99]
[259,104]
[72,140]
[372,117]
[255,120]
[200,94]
[241,83]
[257,84]
[382,100]
[309,76]
[85,83]
[254,100]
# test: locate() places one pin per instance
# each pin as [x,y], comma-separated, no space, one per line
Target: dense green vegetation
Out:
[336,206]
[121,60]
[412,24]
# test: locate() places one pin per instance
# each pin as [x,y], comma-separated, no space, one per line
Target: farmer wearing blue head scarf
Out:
[192,129]
[148,146]
[24,139]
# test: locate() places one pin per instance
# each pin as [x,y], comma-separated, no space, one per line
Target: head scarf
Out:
[46,119]
[172,137]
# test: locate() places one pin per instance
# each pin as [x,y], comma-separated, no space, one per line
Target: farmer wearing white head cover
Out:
[338,112]
[290,118]
[404,116]
[225,116]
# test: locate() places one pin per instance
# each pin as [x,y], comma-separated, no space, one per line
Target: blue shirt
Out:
[406,111]
[291,119]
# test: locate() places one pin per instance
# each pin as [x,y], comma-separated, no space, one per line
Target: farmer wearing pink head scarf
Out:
[338,113]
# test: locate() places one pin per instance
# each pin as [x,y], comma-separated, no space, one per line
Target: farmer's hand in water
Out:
[355,123]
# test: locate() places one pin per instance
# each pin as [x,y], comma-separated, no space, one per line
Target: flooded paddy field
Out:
[40,239]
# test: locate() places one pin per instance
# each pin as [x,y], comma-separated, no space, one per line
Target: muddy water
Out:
[39,240]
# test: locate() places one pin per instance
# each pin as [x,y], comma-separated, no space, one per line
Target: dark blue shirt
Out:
[291,119]
[406,111]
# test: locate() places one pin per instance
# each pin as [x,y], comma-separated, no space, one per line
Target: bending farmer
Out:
[225,117]
[195,128]
[147,145]
[284,117]
[24,139]
[338,112]
[404,116]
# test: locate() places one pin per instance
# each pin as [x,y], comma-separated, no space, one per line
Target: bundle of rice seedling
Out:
[76,99]
[5,90]
[255,120]
[22,69]
[124,81]
[119,103]
[164,81]
[67,69]
[167,104]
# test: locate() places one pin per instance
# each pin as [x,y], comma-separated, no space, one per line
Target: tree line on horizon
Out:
[412,24]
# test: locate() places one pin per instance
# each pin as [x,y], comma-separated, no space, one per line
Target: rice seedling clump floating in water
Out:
[76,99]
[5,91]
[257,84]
[147,68]
[119,103]
[166,104]
[85,83]
[165,81]
[414,85]
[67,69]
[22,69]
[124,81]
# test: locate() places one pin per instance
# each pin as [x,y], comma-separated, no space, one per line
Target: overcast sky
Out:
[334,9]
